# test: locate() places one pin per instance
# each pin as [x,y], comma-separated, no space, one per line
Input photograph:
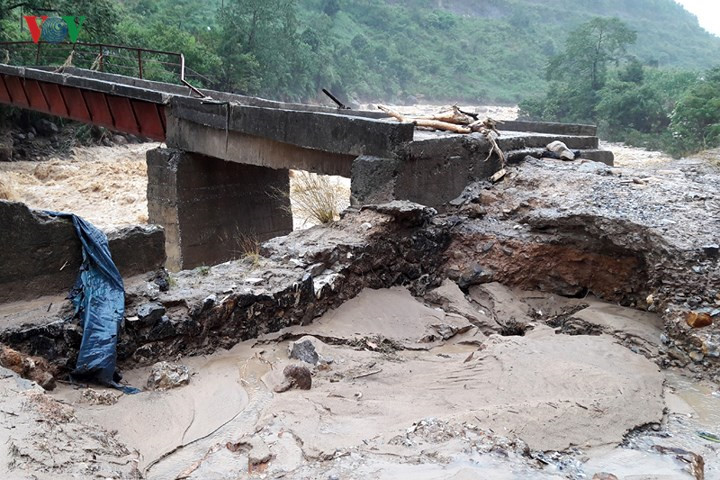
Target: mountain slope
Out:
[489,50]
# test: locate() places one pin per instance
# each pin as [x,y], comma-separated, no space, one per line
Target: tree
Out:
[261,48]
[579,73]
[331,7]
[696,118]
[589,49]
[631,105]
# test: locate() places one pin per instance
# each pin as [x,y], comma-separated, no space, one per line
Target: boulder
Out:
[166,375]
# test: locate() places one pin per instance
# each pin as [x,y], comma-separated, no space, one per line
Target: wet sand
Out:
[408,389]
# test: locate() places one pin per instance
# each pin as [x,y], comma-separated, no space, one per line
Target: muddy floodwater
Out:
[402,389]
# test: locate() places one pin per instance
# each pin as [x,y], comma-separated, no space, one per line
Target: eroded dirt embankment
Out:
[467,379]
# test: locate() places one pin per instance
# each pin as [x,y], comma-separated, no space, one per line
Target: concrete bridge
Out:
[224,167]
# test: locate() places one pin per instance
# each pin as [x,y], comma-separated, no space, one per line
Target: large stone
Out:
[166,375]
[46,128]
[6,147]
[211,209]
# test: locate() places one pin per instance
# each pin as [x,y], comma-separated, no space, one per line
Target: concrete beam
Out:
[251,150]
[211,209]
[548,127]
[328,132]
[431,172]
[184,91]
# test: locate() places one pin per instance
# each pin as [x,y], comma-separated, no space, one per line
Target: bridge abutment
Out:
[212,209]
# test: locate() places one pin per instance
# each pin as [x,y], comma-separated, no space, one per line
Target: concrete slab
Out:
[329,132]
[40,255]
[251,150]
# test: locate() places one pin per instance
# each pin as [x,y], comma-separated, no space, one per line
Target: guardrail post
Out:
[140,69]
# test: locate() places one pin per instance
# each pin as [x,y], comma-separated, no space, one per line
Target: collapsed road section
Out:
[555,323]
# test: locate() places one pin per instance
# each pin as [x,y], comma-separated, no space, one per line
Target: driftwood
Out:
[456,121]
[427,122]
[454,115]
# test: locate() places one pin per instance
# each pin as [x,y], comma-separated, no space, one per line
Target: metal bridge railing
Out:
[139,62]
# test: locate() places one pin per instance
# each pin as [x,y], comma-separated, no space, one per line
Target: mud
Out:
[108,185]
[518,334]
[544,405]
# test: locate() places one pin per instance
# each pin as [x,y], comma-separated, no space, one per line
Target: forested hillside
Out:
[475,51]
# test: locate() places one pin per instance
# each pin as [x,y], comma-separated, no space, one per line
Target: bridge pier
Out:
[211,208]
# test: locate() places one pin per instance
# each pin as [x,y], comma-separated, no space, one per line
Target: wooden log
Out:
[427,122]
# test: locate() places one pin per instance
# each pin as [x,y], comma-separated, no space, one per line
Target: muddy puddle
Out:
[402,388]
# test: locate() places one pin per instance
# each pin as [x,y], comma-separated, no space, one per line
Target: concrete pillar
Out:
[373,180]
[211,208]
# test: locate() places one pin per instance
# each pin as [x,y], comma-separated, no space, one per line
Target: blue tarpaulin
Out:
[99,300]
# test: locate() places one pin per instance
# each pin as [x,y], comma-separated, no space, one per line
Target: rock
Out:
[162,280]
[119,140]
[473,210]
[697,357]
[209,301]
[150,313]
[166,375]
[295,377]
[304,351]
[257,450]
[405,212]
[698,320]
[32,368]
[475,275]
[561,150]
[499,175]
[604,476]
[46,128]
[6,148]
[711,250]
[316,269]
[97,397]
[677,354]
[451,299]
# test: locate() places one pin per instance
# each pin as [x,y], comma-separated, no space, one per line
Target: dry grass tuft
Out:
[316,197]
[249,249]
[7,190]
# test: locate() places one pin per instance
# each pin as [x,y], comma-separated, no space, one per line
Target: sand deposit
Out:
[405,389]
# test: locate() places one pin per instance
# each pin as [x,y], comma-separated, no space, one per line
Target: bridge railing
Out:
[138,62]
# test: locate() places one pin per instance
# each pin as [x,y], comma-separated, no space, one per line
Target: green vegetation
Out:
[494,51]
[594,80]
[634,67]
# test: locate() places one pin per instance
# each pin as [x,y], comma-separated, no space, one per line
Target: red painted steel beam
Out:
[77,109]
[55,99]
[149,121]
[111,111]
[17,92]
[99,109]
[4,94]
[123,114]
[36,97]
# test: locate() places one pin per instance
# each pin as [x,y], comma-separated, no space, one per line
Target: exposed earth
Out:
[540,328]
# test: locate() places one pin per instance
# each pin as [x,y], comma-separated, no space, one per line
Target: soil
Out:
[539,406]
[488,381]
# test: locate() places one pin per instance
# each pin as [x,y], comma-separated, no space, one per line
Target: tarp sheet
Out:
[99,299]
